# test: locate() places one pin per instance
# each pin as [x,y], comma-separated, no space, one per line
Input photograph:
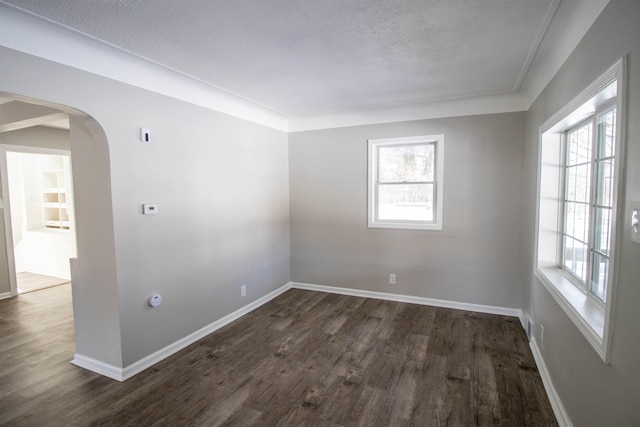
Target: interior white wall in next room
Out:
[37,248]
[477,258]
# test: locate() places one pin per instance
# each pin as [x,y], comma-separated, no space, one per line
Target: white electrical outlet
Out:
[541,337]
[392,279]
[243,290]
[149,209]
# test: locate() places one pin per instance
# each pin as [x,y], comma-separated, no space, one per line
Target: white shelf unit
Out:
[54,198]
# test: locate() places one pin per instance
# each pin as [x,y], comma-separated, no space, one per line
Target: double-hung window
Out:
[579,215]
[590,159]
[406,182]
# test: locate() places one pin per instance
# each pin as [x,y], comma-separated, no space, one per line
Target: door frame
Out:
[4,191]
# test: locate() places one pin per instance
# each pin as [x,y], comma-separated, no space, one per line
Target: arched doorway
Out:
[93,273]
[37,194]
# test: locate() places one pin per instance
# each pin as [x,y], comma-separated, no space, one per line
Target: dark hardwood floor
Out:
[304,359]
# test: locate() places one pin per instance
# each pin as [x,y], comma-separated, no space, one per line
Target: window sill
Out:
[406,225]
[586,314]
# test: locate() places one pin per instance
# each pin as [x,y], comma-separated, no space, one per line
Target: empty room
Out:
[365,212]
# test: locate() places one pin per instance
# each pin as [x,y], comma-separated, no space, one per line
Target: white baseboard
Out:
[98,367]
[122,374]
[523,319]
[167,351]
[5,295]
[554,399]
[504,311]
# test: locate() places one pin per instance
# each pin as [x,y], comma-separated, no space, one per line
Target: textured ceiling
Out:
[308,57]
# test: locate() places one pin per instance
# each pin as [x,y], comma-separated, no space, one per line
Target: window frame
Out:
[438,183]
[592,121]
[594,320]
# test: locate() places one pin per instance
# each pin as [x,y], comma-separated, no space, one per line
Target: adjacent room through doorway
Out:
[41,198]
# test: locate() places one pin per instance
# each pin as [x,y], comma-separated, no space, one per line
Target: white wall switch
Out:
[149,209]
[392,279]
[635,226]
[145,135]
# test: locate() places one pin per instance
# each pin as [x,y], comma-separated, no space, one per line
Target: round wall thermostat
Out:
[154,300]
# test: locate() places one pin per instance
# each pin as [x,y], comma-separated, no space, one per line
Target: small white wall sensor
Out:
[149,209]
[145,135]
[154,300]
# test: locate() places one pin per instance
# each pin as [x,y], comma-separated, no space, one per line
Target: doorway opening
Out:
[37,195]
[92,295]
[41,200]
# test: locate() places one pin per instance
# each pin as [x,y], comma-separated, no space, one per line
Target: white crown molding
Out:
[490,309]
[42,38]
[565,24]
[467,106]
[571,21]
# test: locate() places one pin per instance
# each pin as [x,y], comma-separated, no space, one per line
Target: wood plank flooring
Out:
[304,359]
[30,282]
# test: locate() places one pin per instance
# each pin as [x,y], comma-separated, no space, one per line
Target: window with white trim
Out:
[581,153]
[406,182]
[590,160]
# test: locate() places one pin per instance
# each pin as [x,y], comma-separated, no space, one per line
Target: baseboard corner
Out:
[150,360]
[479,308]
[98,367]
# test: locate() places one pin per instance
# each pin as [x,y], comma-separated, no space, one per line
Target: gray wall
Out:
[594,394]
[38,136]
[477,258]
[222,188]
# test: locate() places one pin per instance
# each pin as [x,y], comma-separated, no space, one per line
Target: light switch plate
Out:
[149,208]
[635,226]
[145,135]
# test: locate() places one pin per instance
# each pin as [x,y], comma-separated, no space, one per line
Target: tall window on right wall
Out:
[590,159]
[580,187]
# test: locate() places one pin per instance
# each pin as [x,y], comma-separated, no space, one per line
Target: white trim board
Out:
[123,374]
[558,408]
[98,367]
[490,309]
[5,295]
[563,28]
[29,33]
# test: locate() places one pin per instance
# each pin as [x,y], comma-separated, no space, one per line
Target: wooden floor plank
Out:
[305,358]
[31,282]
